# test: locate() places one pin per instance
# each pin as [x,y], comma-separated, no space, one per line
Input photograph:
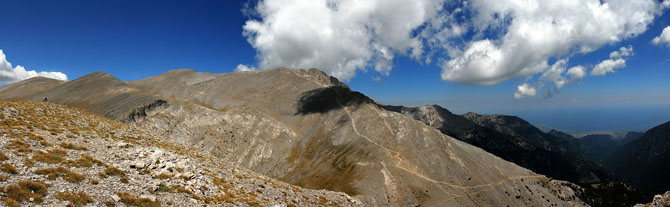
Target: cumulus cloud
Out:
[473,42]
[664,38]
[9,74]
[616,61]
[337,36]
[242,67]
[523,90]
[536,30]
[577,72]
[608,66]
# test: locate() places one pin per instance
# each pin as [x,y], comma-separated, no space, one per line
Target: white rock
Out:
[138,164]
[116,198]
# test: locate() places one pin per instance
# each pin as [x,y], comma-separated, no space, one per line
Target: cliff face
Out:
[308,129]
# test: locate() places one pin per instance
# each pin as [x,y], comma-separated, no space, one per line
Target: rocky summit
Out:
[301,127]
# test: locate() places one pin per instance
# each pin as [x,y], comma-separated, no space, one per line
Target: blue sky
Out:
[138,39]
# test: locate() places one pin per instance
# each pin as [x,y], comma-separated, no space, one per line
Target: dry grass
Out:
[8,168]
[76,199]
[11,203]
[112,171]
[3,178]
[3,157]
[55,156]
[53,173]
[45,143]
[164,176]
[25,190]
[180,189]
[15,144]
[131,200]
[71,146]
[85,161]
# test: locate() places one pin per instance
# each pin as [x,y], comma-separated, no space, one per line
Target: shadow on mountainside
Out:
[322,100]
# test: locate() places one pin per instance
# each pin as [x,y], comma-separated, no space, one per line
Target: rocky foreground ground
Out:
[56,155]
[659,201]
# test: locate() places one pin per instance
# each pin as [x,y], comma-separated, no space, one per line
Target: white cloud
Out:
[524,90]
[616,61]
[377,79]
[623,52]
[536,30]
[474,42]
[337,36]
[577,72]
[608,66]
[9,74]
[242,67]
[664,38]
[555,74]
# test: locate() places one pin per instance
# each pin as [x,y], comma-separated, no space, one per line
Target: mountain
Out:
[561,134]
[597,147]
[55,155]
[516,149]
[630,136]
[645,161]
[308,129]
[596,187]
[517,127]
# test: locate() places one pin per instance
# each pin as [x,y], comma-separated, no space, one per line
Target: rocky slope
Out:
[645,162]
[556,164]
[659,201]
[308,129]
[55,155]
[597,147]
[595,185]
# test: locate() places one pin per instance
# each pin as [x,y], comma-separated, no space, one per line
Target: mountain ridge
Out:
[353,146]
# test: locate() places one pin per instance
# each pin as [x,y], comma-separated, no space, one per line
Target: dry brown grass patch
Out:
[76,199]
[25,190]
[112,171]
[72,146]
[11,203]
[131,200]
[53,173]
[54,156]
[3,157]
[85,161]
[164,176]
[8,168]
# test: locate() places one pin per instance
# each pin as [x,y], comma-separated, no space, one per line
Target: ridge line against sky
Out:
[528,58]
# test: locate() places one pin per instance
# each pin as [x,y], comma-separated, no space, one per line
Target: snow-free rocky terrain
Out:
[57,155]
[307,129]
